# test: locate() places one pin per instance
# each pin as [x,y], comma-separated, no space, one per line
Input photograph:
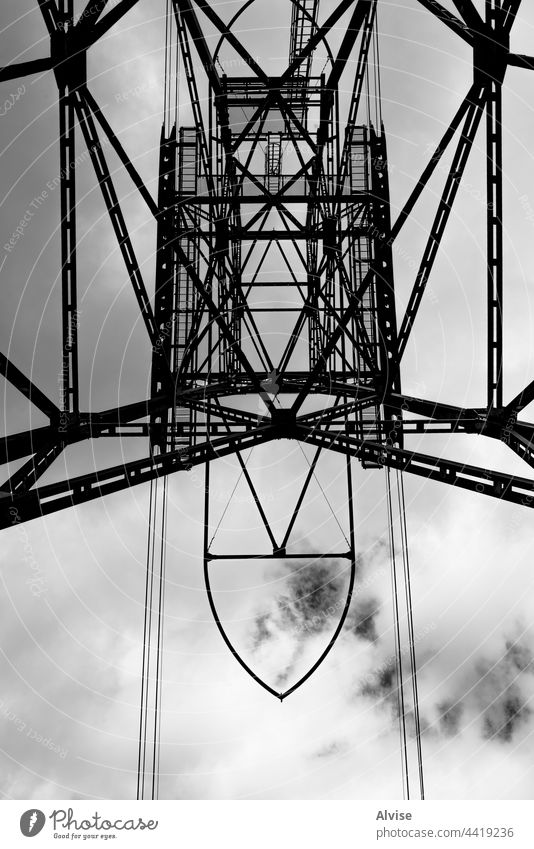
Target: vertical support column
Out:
[330,281]
[358,158]
[184,307]
[164,289]
[494,221]
[69,351]
[313,283]
[383,278]
[188,187]
[236,304]
[165,261]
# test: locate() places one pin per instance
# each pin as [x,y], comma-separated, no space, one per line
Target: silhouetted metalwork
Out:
[203,325]
[272,172]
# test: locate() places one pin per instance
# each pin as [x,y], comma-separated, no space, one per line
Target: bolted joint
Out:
[284,423]
[499,424]
[65,422]
[490,56]
[69,57]
[275,84]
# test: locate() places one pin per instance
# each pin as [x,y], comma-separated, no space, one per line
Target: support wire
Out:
[407,702]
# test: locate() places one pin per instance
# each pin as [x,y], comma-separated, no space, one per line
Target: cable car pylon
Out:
[273,182]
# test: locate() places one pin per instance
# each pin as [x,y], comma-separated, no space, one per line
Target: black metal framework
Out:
[225,201]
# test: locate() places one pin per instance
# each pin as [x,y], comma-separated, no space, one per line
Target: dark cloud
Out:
[450,715]
[282,679]
[493,698]
[382,684]
[312,597]
[261,632]
[500,695]
[519,656]
[310,604]
[316,594]
[363,619]
[336,747]
[503,718]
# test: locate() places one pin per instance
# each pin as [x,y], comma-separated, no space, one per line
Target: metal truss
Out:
[227,202]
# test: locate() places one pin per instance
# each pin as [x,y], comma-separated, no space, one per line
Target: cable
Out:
[411,631]
[147,642]
[317,481]
[398,656]
[399,650]
[153,632]
[228,503]
[164,569]
[159,651]
[146,689]
[140,760]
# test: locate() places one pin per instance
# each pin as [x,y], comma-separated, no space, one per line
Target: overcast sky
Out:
[72,585]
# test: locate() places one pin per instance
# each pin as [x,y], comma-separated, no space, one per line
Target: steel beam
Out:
[469,13]
[100,27]
[58,496]
[28,388]
[493,72]
[23,69]
[452,184]
[69,76]
[512,488]
[451,21]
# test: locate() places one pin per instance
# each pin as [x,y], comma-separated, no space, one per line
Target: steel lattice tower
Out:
[281,165]
[344,237]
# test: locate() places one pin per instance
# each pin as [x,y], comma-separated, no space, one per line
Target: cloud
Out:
[301,617]
[71,661]
[450,715]
[495,696]
[362,619]
[223,737]
[305,607]
[383,686]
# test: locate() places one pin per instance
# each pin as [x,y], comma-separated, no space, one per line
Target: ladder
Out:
[360,257]
[187,186]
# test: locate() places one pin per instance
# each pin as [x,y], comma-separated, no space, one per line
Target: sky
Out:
[72,586]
